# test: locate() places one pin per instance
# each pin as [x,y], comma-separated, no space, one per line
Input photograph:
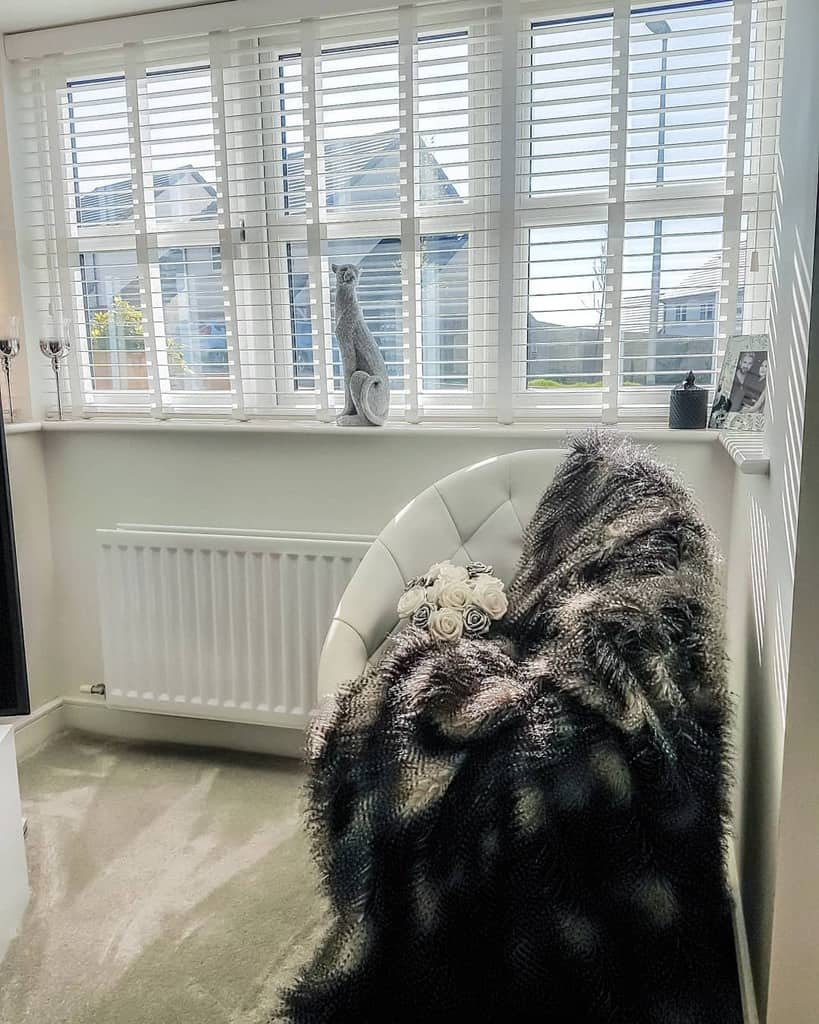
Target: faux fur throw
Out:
[531,827]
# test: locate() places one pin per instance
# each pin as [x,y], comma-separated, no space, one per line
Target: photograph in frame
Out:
[741,395]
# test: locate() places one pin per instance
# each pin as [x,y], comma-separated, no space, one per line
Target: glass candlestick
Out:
[55,344]
[9,348]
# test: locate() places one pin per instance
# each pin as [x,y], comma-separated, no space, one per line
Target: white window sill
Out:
[29,427]
[746,450]
[438,428]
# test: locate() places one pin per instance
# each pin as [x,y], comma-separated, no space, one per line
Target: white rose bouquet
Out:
[452,601]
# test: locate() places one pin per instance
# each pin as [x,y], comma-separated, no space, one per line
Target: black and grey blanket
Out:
[532,826]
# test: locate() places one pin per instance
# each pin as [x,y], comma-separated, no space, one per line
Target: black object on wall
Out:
[14,698]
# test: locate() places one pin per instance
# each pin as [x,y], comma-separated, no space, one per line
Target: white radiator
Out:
[219,624]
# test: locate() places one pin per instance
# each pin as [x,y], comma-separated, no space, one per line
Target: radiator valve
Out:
[97,688]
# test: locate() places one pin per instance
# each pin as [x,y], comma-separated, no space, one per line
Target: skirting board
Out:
[92,714]
[32,731]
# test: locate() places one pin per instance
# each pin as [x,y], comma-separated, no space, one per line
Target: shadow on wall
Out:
[760,737]
[766,522]
[786,418]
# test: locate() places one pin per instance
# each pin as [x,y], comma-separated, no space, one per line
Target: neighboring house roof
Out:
[704,279]
[108,204]
[701,285]
[365,172]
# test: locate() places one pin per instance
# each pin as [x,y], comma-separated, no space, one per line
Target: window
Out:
[185,307]
[550,216]
[673,141]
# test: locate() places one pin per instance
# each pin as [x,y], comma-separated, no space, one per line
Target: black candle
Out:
[688,408]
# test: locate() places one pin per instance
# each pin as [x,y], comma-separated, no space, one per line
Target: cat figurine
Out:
[366,385]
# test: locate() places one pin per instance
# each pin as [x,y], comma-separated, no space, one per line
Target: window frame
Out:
[339,225]
[124,237]
[277,385]
[561,209]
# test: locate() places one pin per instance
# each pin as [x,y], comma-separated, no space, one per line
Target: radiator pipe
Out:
[97,688]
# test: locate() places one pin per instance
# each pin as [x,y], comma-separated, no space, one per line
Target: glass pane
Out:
[445,312]
[114,322]
[359,110]
[569,76]
[179,159]
[672,273]
[301,321]
[680,67]
[290,128]
[442,139]
[97,116]
[566,286]
[194,315]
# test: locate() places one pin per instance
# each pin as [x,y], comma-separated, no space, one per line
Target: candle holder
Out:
[55,346]
[9,348]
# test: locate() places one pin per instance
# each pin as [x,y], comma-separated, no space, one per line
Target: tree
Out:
[600,267]
[122,327]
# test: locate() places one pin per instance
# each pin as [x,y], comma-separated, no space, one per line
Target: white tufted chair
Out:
[476,514]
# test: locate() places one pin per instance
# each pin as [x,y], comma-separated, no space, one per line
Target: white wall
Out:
[759,715]
[11,299]
[794,973]
[794,514]
[774,909]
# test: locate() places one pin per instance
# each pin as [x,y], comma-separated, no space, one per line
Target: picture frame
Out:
[741,395]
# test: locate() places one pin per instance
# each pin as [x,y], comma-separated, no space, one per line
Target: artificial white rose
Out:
[434,572]
[487,594]
[433,592]
[410,601]
[455,595]
[450,573]
[486,582]
[446,624]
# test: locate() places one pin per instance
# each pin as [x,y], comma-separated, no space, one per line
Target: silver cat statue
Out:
[366,385]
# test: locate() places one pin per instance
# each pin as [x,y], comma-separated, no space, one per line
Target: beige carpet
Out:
[168,885]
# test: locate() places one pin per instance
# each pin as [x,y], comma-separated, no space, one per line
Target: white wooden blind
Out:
[557,207]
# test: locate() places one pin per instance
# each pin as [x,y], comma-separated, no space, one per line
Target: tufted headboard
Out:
[475,514]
